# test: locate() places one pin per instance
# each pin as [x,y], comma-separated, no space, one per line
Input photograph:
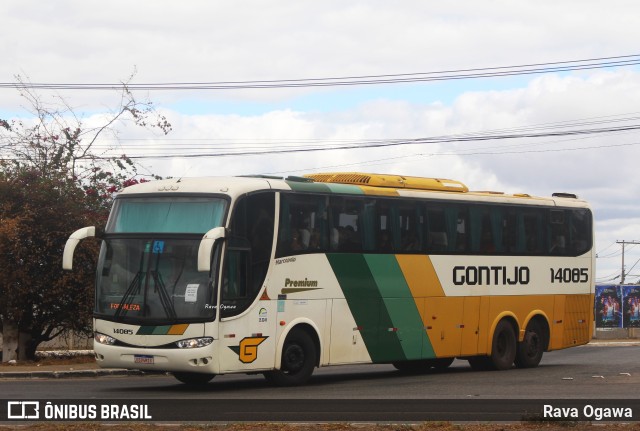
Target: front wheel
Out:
[298,360]
[194,379]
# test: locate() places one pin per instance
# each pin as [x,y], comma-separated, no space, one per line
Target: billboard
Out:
[631,306]
[608,307]
[617,306]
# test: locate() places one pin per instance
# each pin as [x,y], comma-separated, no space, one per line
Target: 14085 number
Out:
[569,275]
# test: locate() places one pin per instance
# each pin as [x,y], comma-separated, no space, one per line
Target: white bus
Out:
[207,276]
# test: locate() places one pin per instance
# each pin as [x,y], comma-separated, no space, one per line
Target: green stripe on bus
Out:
[145,330]
[366,304]
[348,189]
[400,305]
[308,187]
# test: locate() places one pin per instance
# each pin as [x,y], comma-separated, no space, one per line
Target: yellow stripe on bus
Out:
[178,329]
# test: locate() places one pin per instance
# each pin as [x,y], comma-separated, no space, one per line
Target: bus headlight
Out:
[104,339]
[194,342]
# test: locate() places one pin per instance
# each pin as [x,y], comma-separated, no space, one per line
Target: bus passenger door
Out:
[247,343]
[246,328]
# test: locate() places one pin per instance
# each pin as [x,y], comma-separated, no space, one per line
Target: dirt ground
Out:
[432,426]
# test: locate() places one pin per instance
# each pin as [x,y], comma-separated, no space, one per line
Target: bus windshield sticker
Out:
[158,247]
[191,293]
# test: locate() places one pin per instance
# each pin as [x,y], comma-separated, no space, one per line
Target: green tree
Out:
[52,182]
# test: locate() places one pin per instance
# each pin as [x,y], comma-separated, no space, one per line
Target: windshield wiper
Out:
[135,285]
[128,296]
[165,300]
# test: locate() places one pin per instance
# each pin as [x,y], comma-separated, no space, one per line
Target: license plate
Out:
[143,359]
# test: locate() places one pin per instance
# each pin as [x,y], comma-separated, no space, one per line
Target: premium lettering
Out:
[300,283]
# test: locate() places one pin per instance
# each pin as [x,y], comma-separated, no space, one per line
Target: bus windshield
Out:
[147,268]
[149,279]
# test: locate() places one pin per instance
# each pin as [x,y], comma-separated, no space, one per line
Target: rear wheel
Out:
[530,350]
[503,347]
[194,379]
[298,360]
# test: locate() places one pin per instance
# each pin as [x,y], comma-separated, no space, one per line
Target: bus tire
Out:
[194,379]
[530,350]
[503,346]
[298,360]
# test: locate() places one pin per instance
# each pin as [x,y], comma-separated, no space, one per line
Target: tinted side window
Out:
[303,225]
[248,252]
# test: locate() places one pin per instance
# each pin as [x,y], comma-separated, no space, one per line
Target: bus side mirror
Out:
[72,242]
[206,247]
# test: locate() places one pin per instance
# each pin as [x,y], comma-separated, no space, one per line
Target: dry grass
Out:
[430,426]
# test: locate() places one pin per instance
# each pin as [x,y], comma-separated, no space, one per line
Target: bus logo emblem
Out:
[247,351]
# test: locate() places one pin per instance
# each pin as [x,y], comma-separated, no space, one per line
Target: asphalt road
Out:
[588,374]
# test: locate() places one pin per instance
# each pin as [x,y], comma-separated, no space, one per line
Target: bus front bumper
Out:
[195,360]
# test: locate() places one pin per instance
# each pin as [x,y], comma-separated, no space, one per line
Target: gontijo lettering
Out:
[490,275]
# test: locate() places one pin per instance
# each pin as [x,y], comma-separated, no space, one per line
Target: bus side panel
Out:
[407,326]
[382,305]
[444,317]
[471,326]
[484,326]
[557,323]
[577,317]
[346,342]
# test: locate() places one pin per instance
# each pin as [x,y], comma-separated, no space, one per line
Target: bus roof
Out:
[346,183]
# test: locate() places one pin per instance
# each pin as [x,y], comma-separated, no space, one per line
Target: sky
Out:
[204,41]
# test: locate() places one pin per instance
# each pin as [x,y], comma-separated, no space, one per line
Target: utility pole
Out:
[623,242]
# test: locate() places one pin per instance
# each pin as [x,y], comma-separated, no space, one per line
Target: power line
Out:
[623,243]
[379,145]
[605,249]
[369,144]
[474,73]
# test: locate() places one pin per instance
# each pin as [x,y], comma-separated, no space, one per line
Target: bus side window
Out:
[558,237]
[437,240]
[580,231]
[303,224]
[346,221]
